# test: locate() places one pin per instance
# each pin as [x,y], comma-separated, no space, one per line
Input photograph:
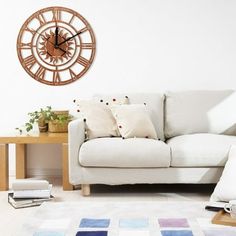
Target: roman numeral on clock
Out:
[82,61]
[83,30]
[32,31]
[87,46]
[40,73]
[56,77]
[41,19]
[25,45]
[56,15]
[72,74]
[71,19]
[29,61]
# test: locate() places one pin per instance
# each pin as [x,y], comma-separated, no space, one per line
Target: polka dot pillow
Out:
[98,116]
[134,121]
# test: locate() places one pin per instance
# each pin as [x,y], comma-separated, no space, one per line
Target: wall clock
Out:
[56,45]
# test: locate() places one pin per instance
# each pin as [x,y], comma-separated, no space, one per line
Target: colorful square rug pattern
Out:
[122,219]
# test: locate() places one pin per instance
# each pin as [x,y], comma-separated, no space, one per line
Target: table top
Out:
[34,138]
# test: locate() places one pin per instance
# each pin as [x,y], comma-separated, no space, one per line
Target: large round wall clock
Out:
[56,45]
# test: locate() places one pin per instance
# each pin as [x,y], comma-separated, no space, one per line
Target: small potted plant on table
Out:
[48,120]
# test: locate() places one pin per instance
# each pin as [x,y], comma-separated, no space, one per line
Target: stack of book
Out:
[27,193]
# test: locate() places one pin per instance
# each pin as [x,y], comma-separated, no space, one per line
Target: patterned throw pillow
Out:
[112,100]
[98,117]
[134,121]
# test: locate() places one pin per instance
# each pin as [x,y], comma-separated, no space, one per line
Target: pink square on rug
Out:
[173,222]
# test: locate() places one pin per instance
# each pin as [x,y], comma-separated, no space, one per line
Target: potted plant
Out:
[48,120]
[58,122]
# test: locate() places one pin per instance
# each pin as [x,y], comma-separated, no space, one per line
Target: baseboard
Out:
[33,172]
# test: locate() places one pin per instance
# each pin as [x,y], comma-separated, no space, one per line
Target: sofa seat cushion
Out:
[130,153]
[203,150]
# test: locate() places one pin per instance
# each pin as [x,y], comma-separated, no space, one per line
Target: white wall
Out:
[142,45]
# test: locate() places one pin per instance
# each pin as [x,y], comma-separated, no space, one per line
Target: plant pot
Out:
[57,127]
[43,129]
[43,126]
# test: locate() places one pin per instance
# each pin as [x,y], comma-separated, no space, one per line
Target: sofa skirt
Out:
[119,176]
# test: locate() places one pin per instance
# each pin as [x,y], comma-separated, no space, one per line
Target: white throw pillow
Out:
[98,118]
[112,100]
[134,121]
[225,189]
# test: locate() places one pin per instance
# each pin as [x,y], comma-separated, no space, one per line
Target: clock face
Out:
[56,46]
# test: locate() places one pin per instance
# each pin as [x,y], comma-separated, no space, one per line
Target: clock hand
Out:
[56,37]
[69,38]
[61,49]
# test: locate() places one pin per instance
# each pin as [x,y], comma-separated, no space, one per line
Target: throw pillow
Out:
[225,189]
[134,121]
[111,100]
[98,118]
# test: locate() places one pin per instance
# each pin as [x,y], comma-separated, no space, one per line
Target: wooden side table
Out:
[21,141]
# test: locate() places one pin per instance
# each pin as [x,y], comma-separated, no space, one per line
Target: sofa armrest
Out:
[76,137]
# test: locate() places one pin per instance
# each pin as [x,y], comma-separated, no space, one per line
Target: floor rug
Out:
[124,219]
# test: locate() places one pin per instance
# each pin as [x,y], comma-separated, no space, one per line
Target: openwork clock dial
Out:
[56,46]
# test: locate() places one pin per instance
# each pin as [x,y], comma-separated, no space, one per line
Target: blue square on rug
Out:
[91,233]
[134,223]
[94,223]
[176,233]
[49,233]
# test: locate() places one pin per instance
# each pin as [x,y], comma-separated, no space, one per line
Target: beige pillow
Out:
[111,100]
[134,121]
[98,118]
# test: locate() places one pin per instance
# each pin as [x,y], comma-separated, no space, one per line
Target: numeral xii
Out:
[56,15]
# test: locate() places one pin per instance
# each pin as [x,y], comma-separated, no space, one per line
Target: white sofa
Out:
[196,130]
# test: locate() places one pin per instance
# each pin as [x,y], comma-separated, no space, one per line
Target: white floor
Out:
[12,219]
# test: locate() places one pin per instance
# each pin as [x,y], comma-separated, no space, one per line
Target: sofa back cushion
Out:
[189,112]
[154,102]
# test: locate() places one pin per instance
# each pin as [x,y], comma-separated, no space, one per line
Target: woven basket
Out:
[61,112]
[55,126]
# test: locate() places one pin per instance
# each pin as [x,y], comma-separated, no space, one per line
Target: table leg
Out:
[65,168]
[20,161]
[4,173]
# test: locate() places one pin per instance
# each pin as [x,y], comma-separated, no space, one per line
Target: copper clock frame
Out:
[44,56]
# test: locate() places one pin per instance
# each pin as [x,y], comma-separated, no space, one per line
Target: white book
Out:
[41,193]
[29,184]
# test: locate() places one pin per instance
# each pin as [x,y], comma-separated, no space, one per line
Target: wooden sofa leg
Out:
[85,189]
